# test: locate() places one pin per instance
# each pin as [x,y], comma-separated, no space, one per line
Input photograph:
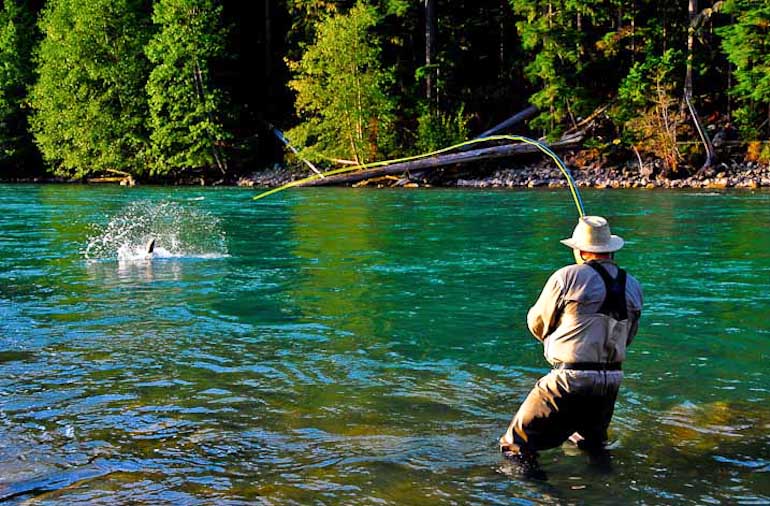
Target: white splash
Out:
[133,253]
[177,231]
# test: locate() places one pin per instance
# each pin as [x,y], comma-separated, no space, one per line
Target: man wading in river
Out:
[586,316]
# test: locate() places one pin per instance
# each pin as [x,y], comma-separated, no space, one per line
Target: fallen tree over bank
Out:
[434,162]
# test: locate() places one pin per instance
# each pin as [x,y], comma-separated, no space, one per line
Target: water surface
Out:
[359,347]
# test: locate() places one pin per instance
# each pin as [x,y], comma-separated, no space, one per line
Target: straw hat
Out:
[592,234]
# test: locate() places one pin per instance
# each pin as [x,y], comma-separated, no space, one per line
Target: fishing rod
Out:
[544,148]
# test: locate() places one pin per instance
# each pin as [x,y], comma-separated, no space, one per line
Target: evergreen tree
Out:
[747,45]
[341,90]
[17,33]
[579,52]
[89,104]
[553,31]
[436,130]
[186,130]
[647,112]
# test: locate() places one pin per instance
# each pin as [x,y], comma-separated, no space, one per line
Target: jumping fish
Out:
[150,247]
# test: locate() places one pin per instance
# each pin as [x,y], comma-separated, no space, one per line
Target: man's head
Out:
[592,239]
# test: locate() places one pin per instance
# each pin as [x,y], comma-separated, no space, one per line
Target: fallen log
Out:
[434,162]
[378,181]
[123,181]
[107,179]
[513,120]
[578,128]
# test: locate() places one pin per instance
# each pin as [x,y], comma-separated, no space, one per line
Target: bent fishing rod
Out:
[544,148]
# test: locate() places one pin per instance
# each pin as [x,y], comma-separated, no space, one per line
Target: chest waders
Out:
[614,304]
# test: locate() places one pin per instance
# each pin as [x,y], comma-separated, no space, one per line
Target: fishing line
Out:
[578,200]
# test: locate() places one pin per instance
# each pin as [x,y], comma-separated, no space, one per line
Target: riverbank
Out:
[542,173]
[732,174]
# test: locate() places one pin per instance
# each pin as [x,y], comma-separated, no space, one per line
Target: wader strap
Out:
[614,304]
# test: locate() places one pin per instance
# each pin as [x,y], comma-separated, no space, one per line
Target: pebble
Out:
[745,175]
[270,178]
[748,175]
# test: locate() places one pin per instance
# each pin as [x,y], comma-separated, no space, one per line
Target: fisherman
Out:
[586,316]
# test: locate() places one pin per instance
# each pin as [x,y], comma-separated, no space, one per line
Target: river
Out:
[364,347]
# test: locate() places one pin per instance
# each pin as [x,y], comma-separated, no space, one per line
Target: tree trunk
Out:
[551,108]
[633,32]
[434,162]
[503,6]
[730,80]
[513,120]
[268,40]
[710,155]
[430,53]
[219,157]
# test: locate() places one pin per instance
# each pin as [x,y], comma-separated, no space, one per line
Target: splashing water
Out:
[178,231]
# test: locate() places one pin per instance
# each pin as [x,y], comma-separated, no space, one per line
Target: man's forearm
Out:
[536,324]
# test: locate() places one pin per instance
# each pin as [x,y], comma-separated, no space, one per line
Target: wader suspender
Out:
[614,304]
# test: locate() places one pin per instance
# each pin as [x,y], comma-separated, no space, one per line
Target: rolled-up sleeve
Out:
[543,317]
[635,313]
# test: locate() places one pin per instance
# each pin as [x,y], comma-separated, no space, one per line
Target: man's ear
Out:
[578,256]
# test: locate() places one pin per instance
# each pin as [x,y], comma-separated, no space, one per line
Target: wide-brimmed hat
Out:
[592,234]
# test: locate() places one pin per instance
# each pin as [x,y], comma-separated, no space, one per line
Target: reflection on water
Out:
[361,347]
[127,271]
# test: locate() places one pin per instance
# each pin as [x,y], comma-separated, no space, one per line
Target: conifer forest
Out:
[167,89]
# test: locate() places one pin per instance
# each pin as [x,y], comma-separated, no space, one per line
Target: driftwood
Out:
[580,127]
[434,162]
[377,181]
[109,179]
[520,116]
[124,178]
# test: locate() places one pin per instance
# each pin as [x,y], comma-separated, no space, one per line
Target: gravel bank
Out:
[736,175]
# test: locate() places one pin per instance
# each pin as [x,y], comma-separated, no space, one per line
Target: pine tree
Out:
[554,32]
[341,90]
[185,107]
[579,52]
[89,104]
[747,45]
[17,37]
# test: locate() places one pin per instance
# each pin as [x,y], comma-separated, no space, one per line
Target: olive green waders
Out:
[563,402]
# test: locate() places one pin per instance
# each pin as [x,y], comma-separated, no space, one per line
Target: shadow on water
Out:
[47,486]
[16,356]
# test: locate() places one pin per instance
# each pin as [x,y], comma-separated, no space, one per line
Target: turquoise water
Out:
[361,347]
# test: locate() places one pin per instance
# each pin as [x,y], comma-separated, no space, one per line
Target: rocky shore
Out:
[749,175]
[268,178]
[733,174]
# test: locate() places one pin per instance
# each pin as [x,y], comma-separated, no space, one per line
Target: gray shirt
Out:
[566,318]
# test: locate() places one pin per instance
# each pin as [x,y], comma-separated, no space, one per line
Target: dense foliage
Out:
[342,90]
[185,128]
[17,38]
[747,44]
[182,87]
[89,101]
